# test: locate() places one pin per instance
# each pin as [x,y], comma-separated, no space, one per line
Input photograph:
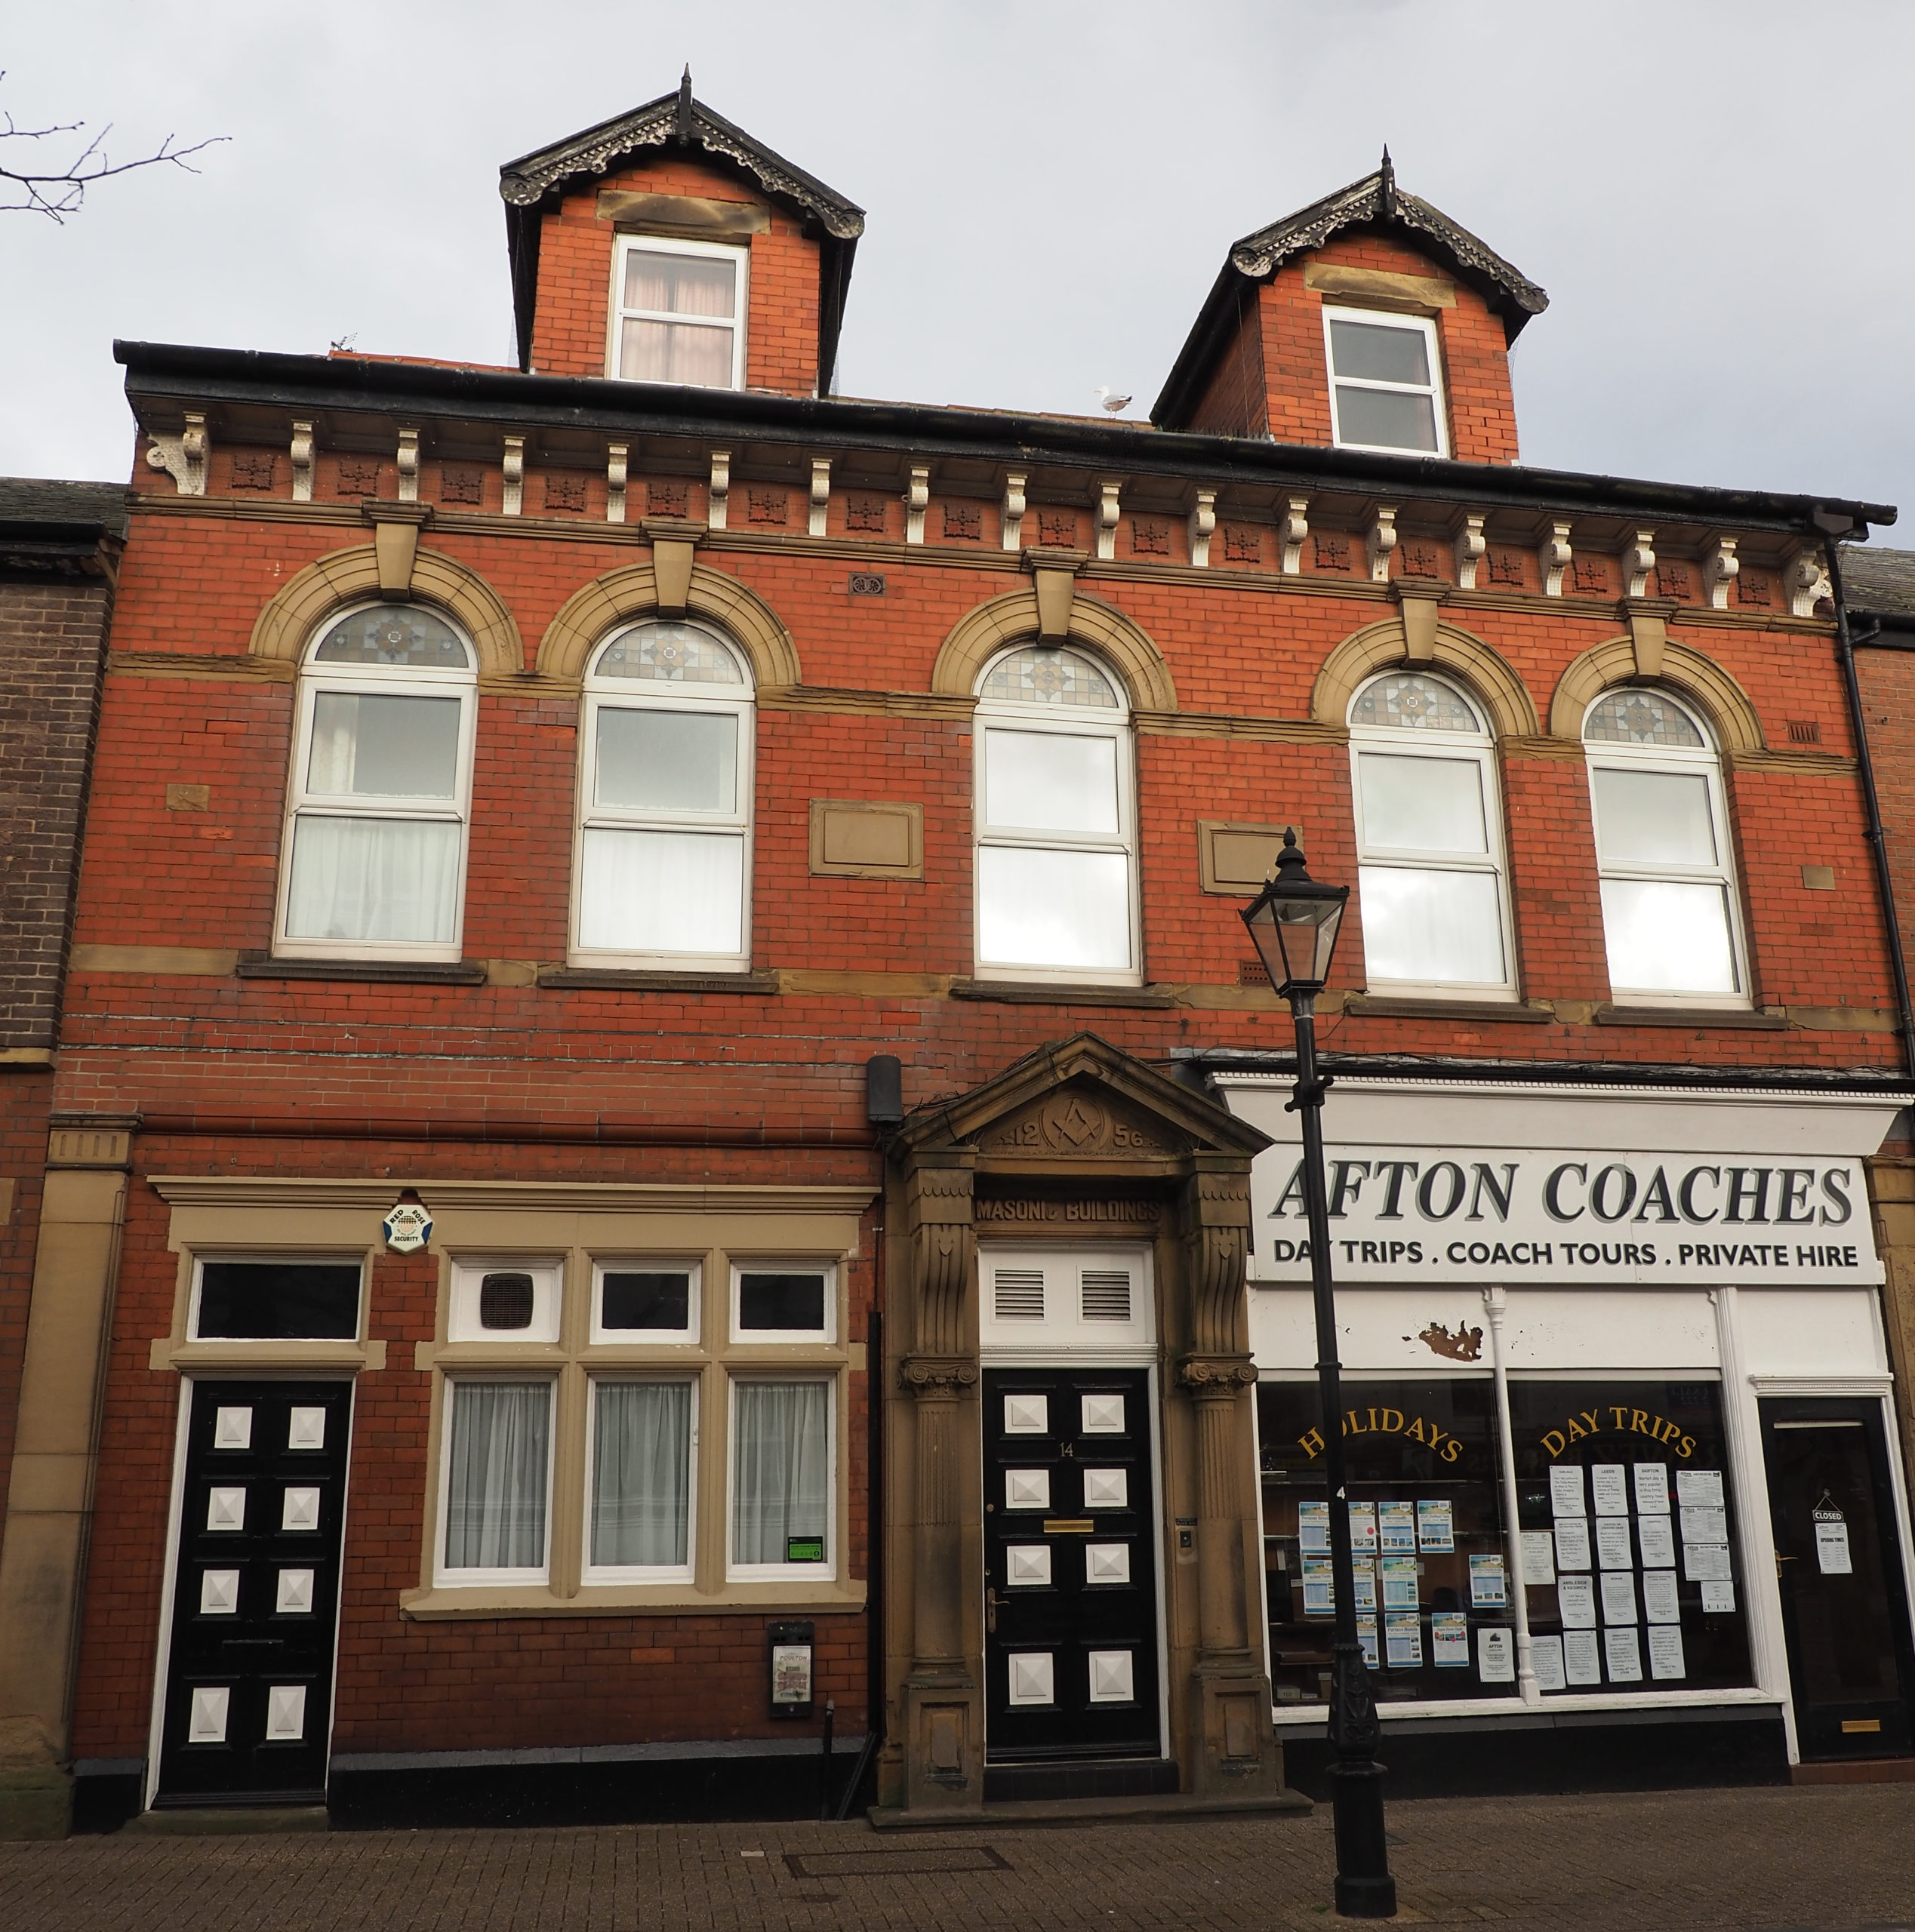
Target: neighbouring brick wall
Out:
[52,636]
[26,1099]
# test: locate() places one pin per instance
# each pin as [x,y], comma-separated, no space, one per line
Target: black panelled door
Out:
[1838,1562]
[1070,1616]
[249,1679]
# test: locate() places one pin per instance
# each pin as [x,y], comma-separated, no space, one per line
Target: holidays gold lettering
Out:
[1312,1444]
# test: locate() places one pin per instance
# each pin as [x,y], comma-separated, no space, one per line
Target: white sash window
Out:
[663,867]
[1670,916]
[374,860]
[1430,840]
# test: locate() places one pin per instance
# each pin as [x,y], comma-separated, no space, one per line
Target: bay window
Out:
[374,853]
[665,788]
[642,1455]
[781,1478]
[1056,886]
[497,1481]
[1429,841]
[1669,911]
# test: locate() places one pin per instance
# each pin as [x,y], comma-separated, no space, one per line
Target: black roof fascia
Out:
[169,373]
[1887,1083]
[537,182]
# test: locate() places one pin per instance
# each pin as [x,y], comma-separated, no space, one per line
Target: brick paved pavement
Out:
[1832,1860]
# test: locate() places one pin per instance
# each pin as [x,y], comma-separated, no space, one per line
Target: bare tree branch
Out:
[59,189]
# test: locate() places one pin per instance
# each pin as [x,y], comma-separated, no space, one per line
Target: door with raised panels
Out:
[249,1666]
[1070,1613]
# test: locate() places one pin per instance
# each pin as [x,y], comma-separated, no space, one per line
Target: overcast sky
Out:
[1713,192]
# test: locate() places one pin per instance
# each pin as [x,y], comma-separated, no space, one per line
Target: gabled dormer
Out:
[668,246]
[1367,320]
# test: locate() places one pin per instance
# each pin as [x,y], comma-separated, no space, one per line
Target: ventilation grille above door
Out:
[1018,1294]
[1106,1294]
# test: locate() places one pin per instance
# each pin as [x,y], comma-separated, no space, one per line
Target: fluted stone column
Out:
[943,1706]
[1237,1746]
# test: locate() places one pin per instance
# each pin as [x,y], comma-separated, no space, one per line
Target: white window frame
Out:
[645,694]
[826,1572]
[1057,720]
[687,1337]
[826,1337]
[660,245]
[468,1276]
[445,1576]
[376,680]
[1706,760]
[265,1258]
[639,1573]
[1462,746]
[1433,389]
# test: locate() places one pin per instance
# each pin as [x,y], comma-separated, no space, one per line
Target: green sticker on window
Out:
[804,1549]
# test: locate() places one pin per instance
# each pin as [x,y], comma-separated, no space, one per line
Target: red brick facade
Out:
[1233,670]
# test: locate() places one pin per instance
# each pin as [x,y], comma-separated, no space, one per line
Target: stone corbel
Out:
[1552,556]
[512,469]
[1720,571]
[674,543]
[917,501]
[1471,547]
[1648,619]
[409,465]
[1808,580]
[821,507]
[183,457]
[618,476]
[1109,489]
[1639,563]
[1203,527]
[302,456]
[1055,574]
[1419,602]
[1294,529]
[1011,535]
[395,528]
[1381,540]
[721,489]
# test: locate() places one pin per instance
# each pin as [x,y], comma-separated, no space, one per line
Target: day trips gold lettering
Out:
[1583,1424]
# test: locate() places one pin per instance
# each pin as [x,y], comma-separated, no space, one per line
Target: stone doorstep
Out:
[1855,1770]
[235,1821]
[1163,1808]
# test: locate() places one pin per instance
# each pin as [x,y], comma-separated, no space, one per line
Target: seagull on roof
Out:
[1111,402]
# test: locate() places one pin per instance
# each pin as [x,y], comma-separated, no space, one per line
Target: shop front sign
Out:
[1516,1216]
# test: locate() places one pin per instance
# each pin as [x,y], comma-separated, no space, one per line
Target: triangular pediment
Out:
[1083,1099]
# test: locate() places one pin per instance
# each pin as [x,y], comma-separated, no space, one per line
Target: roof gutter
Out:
[1832,522]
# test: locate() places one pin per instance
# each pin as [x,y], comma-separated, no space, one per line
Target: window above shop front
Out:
[1430,872]
[678,312]
[1669,917]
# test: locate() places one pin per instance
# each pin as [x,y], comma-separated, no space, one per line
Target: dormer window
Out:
[1385,391]
[678,312]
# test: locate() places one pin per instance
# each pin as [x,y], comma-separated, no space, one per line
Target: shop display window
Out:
[1628,1519]
[1432,1572]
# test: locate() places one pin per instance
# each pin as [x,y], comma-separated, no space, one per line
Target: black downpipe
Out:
[1878,839]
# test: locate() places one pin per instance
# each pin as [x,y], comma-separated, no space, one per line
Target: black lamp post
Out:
[1293,922]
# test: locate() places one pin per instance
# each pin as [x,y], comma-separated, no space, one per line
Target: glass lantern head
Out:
[1293,922]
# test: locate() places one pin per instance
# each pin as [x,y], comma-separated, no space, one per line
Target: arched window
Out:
[1429,839]
[1669,911]
[1056,803]
[376,810]
[665,790]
